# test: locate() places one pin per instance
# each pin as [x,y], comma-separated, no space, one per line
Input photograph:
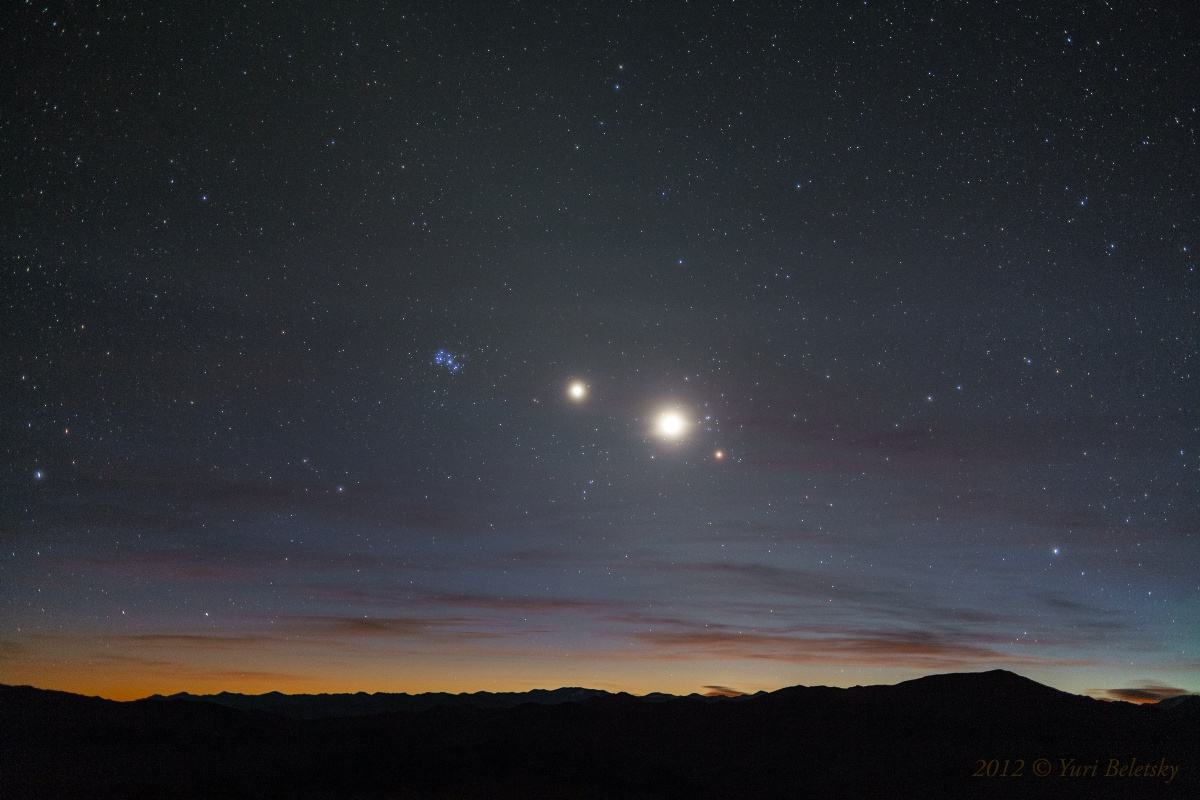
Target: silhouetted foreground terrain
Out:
[920,739]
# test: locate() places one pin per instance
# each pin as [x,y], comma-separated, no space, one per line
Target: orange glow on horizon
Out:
[635,675]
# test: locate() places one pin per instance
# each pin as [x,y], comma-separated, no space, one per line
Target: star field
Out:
[636,346]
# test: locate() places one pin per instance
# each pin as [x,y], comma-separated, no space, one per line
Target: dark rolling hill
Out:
[923,738]
[362,704]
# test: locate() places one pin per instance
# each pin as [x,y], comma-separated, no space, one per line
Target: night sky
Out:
[884,316]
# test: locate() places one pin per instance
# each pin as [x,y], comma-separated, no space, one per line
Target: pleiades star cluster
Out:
[644,346]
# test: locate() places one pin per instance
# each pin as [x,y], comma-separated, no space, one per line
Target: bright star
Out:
[577,391]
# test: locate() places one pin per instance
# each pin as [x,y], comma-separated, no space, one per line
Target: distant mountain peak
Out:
[990,678]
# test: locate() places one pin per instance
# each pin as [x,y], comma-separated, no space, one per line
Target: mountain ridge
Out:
[993,678]
[928,737]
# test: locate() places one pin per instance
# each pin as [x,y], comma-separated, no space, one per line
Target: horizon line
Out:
[717,692]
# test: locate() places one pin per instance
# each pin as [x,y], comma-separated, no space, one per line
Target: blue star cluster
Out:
[448,361]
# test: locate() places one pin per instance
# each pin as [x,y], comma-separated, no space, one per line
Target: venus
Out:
[670,425]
